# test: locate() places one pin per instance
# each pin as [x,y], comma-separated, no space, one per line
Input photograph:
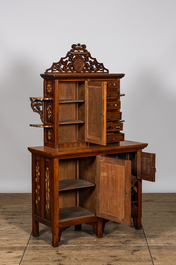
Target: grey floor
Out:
[154,244]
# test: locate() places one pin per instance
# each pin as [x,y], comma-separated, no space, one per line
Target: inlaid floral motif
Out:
[37,183]
[47,188]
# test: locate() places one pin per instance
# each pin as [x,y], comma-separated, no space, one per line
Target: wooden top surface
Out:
[64,153]
[82,76]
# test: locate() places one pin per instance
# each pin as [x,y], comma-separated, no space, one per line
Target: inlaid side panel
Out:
[37,185]
[47,196]
[50,113]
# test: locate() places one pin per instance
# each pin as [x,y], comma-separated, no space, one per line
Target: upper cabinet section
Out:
[80,103]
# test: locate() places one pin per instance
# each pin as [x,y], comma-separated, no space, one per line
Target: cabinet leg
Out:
[35,228]
[55,237]
[100,228]
[137,223]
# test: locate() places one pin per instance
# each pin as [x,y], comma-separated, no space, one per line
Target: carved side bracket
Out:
[37,106]
[77,60]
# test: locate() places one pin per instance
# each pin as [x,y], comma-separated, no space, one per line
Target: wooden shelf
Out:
[63,101]
[40,98]
[70,122]
[72,184]
[41,126]
[73,213]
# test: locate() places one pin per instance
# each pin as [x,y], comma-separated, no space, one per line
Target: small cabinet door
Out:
[114,189]
[146,166]
[95,112]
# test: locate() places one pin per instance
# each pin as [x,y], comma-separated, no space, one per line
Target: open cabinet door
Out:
[95,112]
[146,166]
[114,189]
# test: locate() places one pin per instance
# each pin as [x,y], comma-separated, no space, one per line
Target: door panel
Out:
[146,166]
[95,112]
[114,189]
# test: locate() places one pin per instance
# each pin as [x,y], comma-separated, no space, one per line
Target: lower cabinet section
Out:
[90,190]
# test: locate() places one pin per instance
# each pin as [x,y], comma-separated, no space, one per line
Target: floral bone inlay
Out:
[37,183]
[47,188]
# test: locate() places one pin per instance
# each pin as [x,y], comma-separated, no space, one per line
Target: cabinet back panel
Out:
[67,170]
[67,111]
[87,171]
[67,133]
[67,198]
[67,90]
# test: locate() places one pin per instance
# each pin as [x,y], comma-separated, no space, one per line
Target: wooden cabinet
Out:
[85,172]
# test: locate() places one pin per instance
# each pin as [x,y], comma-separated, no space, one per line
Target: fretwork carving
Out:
[77,60]
[37,106]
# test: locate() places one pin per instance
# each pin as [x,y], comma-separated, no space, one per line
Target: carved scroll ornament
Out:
[37,106]
[77,60]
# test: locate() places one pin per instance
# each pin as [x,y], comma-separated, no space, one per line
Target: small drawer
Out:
[113,116]
[114,127]
[113,84]
[112,105]
[113,94]
[114,137]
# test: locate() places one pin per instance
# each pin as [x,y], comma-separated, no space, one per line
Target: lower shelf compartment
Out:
[71,184]
[74,213]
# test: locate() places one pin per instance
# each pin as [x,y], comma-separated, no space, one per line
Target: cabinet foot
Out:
[137,223]
[98,228]
[35,228]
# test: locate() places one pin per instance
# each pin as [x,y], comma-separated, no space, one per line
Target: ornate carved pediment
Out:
[77,60]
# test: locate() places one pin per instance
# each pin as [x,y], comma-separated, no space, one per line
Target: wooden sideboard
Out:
[85,172]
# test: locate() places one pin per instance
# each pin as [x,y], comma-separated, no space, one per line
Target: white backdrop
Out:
[136,37]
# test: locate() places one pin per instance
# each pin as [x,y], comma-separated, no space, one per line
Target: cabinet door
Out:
[146,166]
[114,189]
[95,112]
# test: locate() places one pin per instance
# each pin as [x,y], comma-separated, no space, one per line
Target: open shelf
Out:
[71,184]
[62,101]
[40,98]
[73,213]
[41,126]
[70,122]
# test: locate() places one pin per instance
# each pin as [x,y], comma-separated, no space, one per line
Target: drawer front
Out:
[114,138]
[114,127]
[113,84]
[113,116]
[113,94]
[113,105]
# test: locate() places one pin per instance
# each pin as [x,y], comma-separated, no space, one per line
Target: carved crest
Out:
[77,60]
